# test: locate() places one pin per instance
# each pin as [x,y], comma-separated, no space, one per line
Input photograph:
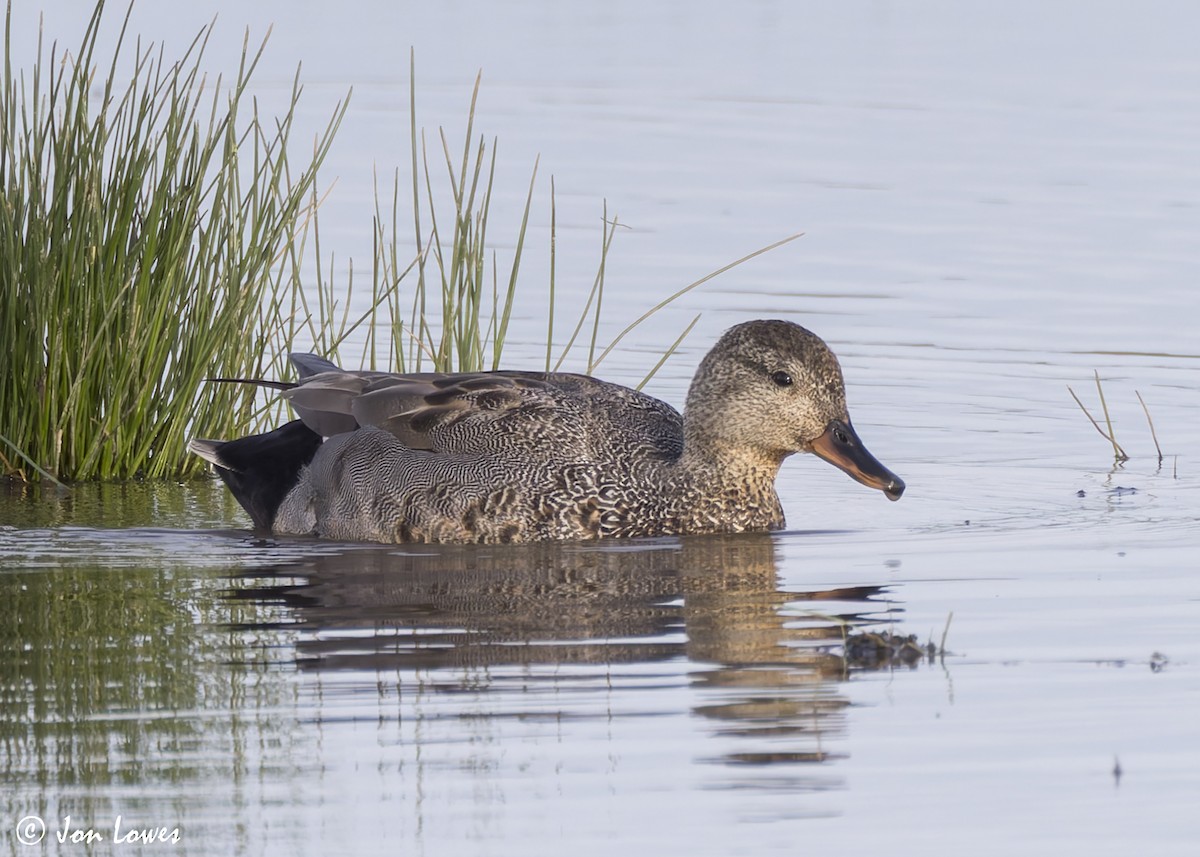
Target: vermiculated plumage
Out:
[528,456]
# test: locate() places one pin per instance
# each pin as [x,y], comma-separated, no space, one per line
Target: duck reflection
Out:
[762,660]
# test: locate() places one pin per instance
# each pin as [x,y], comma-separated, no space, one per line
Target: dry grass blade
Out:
[595,296]
[1153,434]
[945,633]
[1112,436]
[1120,453]
[553,260]
[667,354]
[675,296]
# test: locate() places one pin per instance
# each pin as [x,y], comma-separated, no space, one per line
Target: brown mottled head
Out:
[769,389]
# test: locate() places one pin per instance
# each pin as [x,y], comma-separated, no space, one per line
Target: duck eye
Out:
[783,379]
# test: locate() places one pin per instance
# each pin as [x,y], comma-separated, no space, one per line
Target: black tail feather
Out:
[261,469]
[257,382]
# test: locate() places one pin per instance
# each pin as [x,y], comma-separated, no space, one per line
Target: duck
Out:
[522,456]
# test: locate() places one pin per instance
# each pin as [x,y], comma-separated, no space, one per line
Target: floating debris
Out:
[871,651]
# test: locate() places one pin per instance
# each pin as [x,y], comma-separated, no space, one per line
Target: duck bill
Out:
[840,446]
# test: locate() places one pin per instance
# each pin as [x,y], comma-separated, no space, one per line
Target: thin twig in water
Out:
[1121,456]
[945,632]
[1153,434]
[1117,451]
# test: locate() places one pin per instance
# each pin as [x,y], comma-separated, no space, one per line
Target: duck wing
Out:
[531,414]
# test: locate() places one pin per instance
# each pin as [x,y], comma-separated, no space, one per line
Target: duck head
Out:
[769,389]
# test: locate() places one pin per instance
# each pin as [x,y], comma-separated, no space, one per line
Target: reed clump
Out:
[145,223]
[156,237]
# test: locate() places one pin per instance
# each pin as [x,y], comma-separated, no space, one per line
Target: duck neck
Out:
[728,468]
[724,463]
[728,491]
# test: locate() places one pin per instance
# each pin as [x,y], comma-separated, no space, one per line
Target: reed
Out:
[1150,422]
[454,313]
[145,233]
[158,237]
[1118,453]
[446,306]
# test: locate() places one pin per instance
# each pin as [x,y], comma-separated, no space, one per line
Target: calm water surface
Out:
[997,202]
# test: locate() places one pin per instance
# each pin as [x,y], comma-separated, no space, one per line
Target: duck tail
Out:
[261,469]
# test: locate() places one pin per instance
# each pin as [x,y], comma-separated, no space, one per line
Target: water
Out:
[997,202]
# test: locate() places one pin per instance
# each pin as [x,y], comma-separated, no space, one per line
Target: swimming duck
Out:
[529,456]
